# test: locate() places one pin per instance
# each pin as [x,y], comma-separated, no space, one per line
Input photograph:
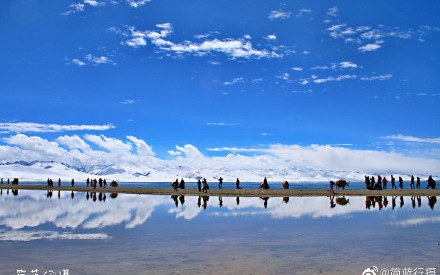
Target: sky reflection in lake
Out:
[138,234]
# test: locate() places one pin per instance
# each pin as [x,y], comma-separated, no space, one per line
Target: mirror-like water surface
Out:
[98,233]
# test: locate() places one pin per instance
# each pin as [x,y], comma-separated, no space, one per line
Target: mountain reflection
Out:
[93,210]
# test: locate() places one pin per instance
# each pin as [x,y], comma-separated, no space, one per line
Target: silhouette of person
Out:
[393,182]
[412,186]
[59,182]
[182,184]
[400,183]
[413,202]
[333,204]
[237,184]
[220,183]
[199,201]
[72,195]
[176,202]
[205,202]
[237,200]
[401,202]
[59,194]
[182,200]
[419,201]
[220,201]
[384,182]
[331,190]
[418,182]
[385,201]
[393,202]
[88,182]
[199,185]
[73,182]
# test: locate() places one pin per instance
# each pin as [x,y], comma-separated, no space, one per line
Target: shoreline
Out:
[233,192]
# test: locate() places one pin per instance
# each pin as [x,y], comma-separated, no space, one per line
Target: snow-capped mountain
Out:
[41,170]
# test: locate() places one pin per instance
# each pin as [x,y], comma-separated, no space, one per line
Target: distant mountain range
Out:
[41,170]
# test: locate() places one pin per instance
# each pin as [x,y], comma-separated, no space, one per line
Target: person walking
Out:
[199,185]
[393,182]
[412,182]
[400,183]
[220,183]
[384,182]
[418,182]
[331,190]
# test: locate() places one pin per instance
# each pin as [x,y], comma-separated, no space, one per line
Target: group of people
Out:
[50,182]
[371,201]
[203,185]
[381,183]
[93,182]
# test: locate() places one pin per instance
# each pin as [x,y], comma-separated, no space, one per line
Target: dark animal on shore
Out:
[431,183]
[114,183]
[342,201]
[285,184]
[341,184]
[15,181]
[264,185]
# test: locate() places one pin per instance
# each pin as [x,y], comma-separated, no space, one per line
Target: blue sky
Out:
[224,75]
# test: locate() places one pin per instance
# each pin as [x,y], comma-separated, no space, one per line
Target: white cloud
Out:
[271,37]
[369,47]
[332,78]
[348,64]
[136,42]
[333,11]
[298,69]
[414,139]
[378,77]
[77,62]
[234,48]
[302,12]
[221,124]
[284,76]
[27,127]
[234,81]
[137,3]
[25,236]
[98,59]
[128,101]
[417,221]
[273,15]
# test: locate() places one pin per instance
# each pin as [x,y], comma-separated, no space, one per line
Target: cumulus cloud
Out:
[284,161]
[274,15]
[333,11]
[29,127]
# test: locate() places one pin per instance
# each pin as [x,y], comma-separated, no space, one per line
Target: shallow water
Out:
[143,234]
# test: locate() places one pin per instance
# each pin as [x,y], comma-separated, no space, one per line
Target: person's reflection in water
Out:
[220,201]
[87,196]
[104,198]
[333,204]
[94,196]
[182,200]
[1,192]
[285,200]
[367,202]
[205,202]
[419,201]
[237,200]
[15,192]
[59,194]
[385,201]
[7,192]
[174,198]
[432,201]
[199,201]
[265,199]
[393,202]
[49,193]
[100,196]
[401,202]
[72,195]
[413,202]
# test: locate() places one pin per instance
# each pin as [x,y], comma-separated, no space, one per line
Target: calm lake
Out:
[102,233]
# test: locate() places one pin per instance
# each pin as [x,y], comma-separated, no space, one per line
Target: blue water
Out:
[145,234]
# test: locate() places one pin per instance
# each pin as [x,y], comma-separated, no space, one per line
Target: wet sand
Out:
[234,192]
